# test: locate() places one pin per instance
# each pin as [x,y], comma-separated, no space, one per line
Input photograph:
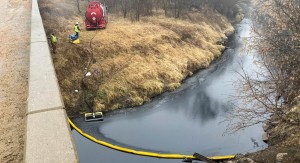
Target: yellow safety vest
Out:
[76,29]
[53,39]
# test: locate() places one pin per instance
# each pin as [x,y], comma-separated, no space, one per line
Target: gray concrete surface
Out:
[44,90]
[48,137]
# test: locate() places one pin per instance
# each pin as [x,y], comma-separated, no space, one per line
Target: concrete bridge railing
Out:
[48,136]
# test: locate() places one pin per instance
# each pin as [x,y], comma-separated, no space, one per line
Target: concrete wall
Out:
[48,136]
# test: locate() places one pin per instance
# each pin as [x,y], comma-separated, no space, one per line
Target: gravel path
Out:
[15,16]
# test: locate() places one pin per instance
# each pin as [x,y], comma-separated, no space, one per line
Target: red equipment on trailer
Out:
[95,16]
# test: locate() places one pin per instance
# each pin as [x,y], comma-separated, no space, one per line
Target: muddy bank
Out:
[283,139]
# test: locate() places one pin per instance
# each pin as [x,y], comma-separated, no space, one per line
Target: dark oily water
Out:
[189,120]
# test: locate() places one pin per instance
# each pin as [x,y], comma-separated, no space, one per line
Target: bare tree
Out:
[166,3]
[172,8]
[125,7]
[136,8]
[272,90]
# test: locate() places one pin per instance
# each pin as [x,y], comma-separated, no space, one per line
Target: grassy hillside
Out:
[129,62]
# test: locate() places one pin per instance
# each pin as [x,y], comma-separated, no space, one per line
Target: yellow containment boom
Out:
[144,153]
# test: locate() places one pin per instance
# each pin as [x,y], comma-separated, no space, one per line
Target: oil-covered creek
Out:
[185,121]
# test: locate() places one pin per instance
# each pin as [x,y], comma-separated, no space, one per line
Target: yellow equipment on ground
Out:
[77,41]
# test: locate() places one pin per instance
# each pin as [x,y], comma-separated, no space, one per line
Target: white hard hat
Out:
[76,22]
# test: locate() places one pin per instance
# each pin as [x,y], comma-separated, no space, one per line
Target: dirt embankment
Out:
[14,65]
[129,62]
[283,141]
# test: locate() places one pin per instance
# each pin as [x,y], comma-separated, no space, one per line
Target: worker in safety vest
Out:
[53,41]
[76,29]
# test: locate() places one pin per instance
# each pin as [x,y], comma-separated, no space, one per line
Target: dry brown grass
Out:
[132,61]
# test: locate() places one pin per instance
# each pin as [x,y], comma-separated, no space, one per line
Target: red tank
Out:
[95,16]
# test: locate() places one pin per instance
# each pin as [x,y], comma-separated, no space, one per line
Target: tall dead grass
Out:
[142,60]
[133,62]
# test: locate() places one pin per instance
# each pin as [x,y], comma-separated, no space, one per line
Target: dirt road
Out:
[15,18]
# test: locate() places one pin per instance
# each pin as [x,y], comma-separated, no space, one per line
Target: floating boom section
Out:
[96,116]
